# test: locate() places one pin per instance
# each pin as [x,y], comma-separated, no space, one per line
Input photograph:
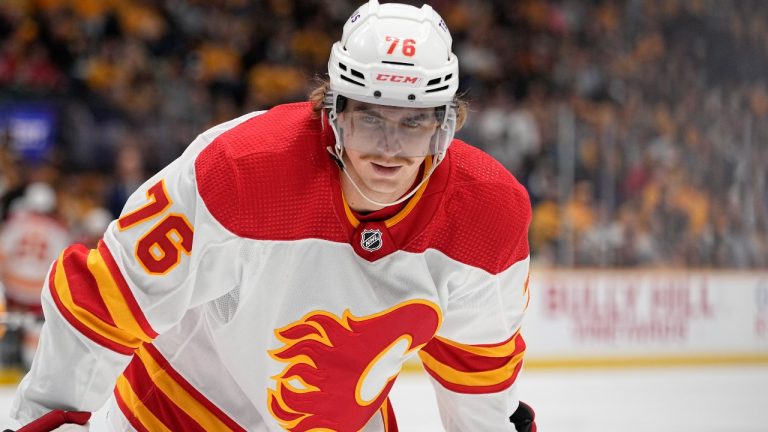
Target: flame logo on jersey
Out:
[340,370]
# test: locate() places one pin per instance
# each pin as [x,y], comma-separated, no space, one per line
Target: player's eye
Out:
[370,119]
[418,122]
[412,123]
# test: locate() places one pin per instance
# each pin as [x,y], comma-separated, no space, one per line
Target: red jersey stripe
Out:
[79,290]
[159,406]
[388,415]
[479,378]
[132,406]
[180,392]
[122,285]
[474,368]
[75,322]
[127,413]
[82,283]
[472,389]
[475,358]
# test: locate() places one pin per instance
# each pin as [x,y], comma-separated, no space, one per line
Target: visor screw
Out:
[411,97]
[377,94]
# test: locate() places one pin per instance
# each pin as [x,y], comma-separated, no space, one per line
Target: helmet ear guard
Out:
[440,113]
[335,102]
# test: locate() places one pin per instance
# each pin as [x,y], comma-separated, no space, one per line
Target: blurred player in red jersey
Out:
[280,272]
[29,241]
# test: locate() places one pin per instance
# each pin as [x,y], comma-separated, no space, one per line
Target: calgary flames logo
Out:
[340,370]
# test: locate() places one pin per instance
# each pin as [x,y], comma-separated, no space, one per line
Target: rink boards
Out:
[584,318]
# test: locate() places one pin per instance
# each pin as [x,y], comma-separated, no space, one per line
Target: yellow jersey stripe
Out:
[186,402]
[473,379]
[91,321]
[503,350]
[141,412]
[113,298]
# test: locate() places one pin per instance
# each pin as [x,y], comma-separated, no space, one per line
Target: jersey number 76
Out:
[159,250]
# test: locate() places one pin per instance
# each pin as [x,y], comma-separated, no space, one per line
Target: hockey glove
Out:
[523,418]
[57,419]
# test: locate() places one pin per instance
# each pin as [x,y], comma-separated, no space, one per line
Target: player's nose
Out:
[390,144]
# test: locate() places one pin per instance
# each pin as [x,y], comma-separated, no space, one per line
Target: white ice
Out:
[690,399]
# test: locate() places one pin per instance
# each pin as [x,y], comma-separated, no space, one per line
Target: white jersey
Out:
[238,291]
[29,242]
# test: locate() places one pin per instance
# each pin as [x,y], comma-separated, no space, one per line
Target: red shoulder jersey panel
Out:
[271,178]
[483,216]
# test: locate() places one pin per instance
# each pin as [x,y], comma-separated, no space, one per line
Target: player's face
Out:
[384,148]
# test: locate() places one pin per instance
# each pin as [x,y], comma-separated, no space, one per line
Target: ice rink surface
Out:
[680,399]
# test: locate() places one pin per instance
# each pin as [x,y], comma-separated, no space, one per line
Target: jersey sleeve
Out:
[475,358]
[165,255]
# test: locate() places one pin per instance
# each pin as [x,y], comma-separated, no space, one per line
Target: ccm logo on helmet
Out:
[397,78]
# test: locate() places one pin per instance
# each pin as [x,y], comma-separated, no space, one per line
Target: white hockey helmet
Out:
[395,55]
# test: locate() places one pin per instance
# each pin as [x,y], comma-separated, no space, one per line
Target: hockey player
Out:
[30,239]
[280,272]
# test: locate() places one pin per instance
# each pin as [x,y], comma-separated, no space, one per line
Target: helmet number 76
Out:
[408,46]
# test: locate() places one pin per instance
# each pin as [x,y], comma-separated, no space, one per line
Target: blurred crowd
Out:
[638,126]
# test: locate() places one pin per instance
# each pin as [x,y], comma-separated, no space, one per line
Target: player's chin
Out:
[383,186]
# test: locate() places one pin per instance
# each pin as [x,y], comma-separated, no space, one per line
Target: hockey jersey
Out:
[238,291]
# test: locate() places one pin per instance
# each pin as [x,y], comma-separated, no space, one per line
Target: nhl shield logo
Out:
[370,240]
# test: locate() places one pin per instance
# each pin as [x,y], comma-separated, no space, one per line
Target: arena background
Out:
[637,126]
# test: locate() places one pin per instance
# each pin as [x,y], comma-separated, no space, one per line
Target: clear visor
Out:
[394,131]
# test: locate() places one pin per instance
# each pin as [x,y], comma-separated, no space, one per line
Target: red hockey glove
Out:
[55,419]
[523,418]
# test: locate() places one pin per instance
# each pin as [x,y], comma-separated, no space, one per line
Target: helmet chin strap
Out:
[343,167]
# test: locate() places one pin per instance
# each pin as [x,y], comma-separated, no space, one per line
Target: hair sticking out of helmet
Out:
[394,55]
